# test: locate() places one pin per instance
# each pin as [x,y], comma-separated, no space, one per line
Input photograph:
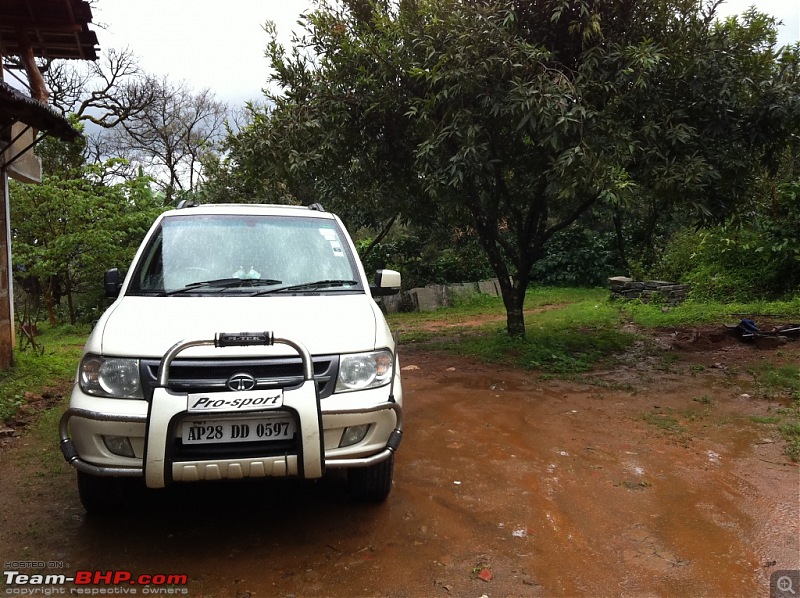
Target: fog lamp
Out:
[353,435]
[119,445]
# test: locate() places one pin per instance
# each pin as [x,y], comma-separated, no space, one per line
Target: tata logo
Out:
[241,382]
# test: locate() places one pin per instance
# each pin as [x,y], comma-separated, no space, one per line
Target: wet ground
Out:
[648,479]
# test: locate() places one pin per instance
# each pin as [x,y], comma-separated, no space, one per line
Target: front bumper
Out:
[155,449]
[89,453]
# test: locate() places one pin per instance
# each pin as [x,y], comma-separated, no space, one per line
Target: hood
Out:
[325,324]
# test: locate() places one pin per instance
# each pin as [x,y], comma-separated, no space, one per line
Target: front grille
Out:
[211,375]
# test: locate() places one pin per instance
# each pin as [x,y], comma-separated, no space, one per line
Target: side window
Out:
[151,276]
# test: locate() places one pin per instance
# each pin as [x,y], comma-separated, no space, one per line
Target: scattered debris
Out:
[483,570]
[748,331]
[409,368]
[485,575]
[520,532]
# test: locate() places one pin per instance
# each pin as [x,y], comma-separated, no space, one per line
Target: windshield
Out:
[232,254]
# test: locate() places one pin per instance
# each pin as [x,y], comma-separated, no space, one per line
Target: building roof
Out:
[55,28]
[16,106]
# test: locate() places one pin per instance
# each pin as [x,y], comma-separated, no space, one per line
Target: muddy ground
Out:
[649,478]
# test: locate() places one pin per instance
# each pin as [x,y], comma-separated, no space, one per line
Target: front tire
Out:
[102,495]
[372,483]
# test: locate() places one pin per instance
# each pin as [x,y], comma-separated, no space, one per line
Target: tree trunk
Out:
[68,290]
[51,311]
[514,300]
[620,237]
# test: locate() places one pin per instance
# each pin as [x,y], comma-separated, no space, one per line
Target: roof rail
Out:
[317,207]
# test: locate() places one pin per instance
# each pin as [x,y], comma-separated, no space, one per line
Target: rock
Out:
[485,575]
[424,299]
[488,287]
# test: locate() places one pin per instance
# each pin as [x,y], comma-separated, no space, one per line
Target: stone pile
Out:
[622,287]
[434,296]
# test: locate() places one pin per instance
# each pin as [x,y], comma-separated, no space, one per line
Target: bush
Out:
[428,261]
[577,257]
[743,260]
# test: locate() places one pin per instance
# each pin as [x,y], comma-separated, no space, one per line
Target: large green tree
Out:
[75,224]
[519,117]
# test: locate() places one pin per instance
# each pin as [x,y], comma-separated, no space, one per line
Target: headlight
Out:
[112,377]
[364,370]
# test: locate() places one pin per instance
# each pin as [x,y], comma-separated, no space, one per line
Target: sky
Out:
[220,45]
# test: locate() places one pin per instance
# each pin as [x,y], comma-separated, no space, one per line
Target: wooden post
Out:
[6,286]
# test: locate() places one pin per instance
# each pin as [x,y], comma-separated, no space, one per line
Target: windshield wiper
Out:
[309,286]
[225,283]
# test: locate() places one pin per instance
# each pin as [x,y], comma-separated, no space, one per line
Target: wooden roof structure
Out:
[54,28]
[17,107]
[48,29]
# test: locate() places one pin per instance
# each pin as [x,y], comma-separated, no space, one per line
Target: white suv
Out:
[244,342]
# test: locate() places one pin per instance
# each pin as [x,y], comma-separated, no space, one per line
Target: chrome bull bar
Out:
[225,340]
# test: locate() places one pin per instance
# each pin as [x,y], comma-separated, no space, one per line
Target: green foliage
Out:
[750,257]
[516,119]
[577,257]
[425,256]
[67,231]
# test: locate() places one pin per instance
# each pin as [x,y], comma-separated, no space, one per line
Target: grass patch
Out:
[583,330]
[568,351]
[694,313]
[777,381]
[782,382]
[790,431]
[36,371]
[703,400]
[565,340]
[664,421]
[586,328]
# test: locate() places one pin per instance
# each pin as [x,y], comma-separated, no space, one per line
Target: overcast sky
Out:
[220,45]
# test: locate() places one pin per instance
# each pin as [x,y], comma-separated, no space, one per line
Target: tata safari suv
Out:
[244,342]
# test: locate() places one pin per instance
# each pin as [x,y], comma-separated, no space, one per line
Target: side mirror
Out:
[112,282]
[387,282]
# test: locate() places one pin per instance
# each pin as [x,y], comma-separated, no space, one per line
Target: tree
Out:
[104,93]
[68,230]
[520,117]
[161,128]
[170,135]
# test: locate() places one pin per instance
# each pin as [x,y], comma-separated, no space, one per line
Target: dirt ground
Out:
[646,479]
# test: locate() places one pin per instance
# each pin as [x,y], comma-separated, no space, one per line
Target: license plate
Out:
[238,430]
